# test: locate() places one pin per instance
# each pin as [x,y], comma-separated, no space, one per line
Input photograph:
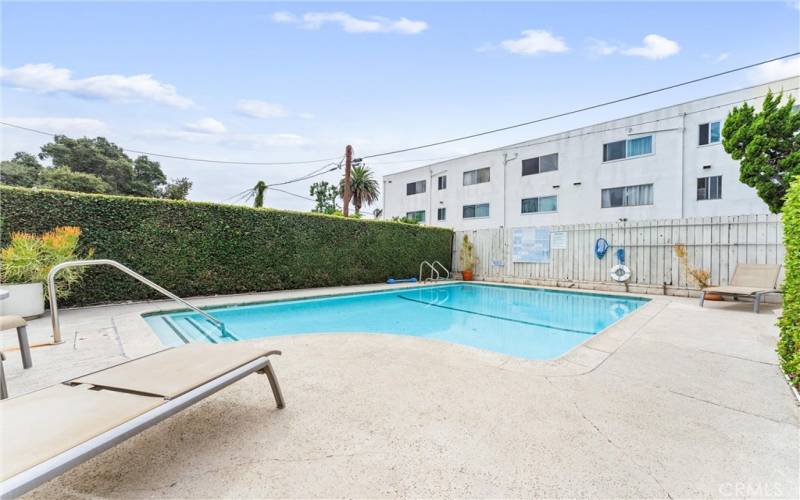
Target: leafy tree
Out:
[325,195]
[66,180]
[177,189]
[92,156]
[22,170]
[363,187]
[98,158]
[768,145]
[148,178]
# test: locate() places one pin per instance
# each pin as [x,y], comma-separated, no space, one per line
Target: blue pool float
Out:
[392,281]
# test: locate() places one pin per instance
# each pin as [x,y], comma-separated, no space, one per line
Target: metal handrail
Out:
[433,270]
[51,281]
[435,262]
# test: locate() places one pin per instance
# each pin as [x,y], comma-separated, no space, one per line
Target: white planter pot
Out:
[26,300]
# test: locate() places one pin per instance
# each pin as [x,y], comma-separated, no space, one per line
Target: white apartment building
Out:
[666,163]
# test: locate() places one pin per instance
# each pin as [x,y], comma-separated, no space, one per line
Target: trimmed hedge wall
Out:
[789,343]
[196,249]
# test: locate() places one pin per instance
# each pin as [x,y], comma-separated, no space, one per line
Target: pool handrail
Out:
[51,282]
[433,270]
[447,272]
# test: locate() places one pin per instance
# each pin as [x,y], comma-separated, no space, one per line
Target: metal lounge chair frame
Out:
[28,479]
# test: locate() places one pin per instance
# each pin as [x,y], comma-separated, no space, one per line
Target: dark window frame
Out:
[533,166]
[538,205]
[410,191]
[412,215]
[708,189]
[477,176]
[474,208]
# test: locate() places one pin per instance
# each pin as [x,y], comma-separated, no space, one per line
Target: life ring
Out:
[620,273]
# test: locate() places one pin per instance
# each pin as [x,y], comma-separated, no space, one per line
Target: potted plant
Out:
[700,276]
[25,263]
[467,259]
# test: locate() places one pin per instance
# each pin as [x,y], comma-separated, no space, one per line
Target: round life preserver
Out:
[620,273]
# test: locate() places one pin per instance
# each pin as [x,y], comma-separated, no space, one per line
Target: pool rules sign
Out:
[531,245]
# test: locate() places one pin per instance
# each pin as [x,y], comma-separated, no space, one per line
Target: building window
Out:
[442,180]
[627,196]
[441,214]
[476,211]
[709,188]
[415,187]
[540,204]
[628,148]
[476,176]
[418,215]
[540,164]
[709,133]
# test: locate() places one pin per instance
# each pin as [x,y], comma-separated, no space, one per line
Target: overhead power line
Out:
[270,188]
[186,158]
[452,140]
[580,110]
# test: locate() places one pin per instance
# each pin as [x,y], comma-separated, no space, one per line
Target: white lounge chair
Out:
[47,432]
[749,280]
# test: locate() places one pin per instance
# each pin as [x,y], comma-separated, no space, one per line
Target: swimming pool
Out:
[532,323]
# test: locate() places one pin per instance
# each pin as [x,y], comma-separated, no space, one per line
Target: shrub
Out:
[28,258]
[196,249]
[789,343]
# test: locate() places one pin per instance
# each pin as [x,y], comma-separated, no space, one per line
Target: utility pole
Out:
[348,160]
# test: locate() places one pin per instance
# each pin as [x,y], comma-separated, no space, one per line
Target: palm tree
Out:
[256,194]
[363,188]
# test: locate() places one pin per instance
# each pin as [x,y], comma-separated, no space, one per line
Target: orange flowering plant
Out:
[28,257]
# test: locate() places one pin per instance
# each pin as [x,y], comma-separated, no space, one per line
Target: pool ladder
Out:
[434,276]
[51,281]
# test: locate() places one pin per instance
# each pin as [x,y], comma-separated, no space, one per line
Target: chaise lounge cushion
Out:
[9,322]
[173,372]
[734,290]
[42,424]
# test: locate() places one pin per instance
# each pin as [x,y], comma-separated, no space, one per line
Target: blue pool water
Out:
[525,322]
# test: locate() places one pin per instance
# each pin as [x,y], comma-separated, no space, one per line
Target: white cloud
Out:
[654,47]
[283,17]
[260,109]
[61,125]
[776,70]
[283,139]
[351,24]
[722,57]
[246,140]
[602,48]
[531,42]
[46,78]
[306,116]
[205,126]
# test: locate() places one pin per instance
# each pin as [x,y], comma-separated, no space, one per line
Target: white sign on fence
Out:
[531,245]
[558,240]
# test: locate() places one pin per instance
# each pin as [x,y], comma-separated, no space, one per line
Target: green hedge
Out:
[789,343]
[206,249]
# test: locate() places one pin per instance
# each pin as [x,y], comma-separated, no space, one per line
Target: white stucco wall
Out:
[673,168]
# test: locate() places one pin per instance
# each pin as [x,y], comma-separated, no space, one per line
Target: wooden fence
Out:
[715,244]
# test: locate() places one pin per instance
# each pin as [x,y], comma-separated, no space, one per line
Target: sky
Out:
[289,82]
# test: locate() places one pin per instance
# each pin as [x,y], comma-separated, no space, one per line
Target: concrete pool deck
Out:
[672,401]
